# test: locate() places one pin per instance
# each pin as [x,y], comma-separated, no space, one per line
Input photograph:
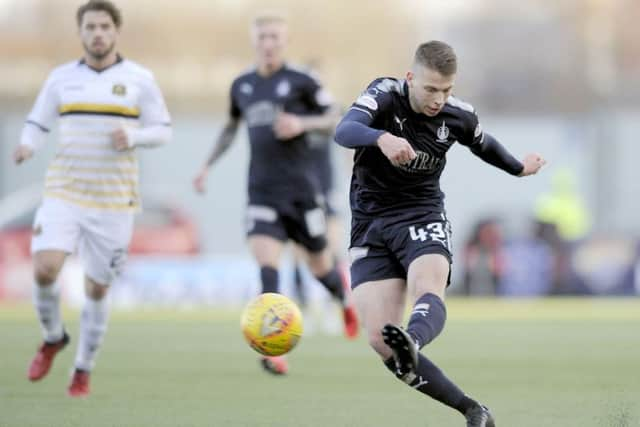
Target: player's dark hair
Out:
[100,6]
[437,56]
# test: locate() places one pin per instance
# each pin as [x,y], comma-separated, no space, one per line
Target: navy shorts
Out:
[300,220]
[383,248]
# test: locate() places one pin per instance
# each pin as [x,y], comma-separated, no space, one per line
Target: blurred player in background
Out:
[400,236]
[280,105]
[106,107]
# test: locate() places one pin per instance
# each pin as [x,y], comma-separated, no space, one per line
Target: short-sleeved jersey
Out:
[277,167]
[88,105]
[378,188]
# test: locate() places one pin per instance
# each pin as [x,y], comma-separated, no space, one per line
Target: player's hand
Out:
[397,150]
[22,153]
[532,164]
[287,126]
[200,181]
[120,140]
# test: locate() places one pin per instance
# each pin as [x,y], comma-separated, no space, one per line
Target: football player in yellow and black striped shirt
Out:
[106,107]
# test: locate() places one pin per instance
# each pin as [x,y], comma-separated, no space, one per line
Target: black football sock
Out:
[269,278]
[427,319]
[299,285]
[333,282]
[430,380]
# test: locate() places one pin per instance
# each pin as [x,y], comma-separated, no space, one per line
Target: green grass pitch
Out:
[565,363]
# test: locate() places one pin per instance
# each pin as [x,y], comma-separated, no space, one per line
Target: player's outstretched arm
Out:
[492,152]
[223,142]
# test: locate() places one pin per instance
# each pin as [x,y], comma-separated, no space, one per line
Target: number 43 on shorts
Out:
[435,232]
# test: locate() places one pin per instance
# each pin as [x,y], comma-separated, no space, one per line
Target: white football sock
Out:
[93,325]
[46,300]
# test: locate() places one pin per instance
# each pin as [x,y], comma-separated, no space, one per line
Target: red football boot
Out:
[79,386]
[350,319]
[276,365]
[349,316]
[43,360]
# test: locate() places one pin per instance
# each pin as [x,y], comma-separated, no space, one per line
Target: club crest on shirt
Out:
[443,133]
[119,89]
[37,230]
[283,88]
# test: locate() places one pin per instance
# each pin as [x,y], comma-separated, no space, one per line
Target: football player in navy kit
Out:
[280,105]
[400,236]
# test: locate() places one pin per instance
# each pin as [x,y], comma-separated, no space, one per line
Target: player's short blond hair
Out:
[437,56]
[269,18]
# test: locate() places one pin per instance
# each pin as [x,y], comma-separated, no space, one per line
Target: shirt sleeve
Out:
[487,147]
[473,135]
[45,110]
[153,110]
[374,101]
[317,97]
[234,109]
[42,116]
[355,130]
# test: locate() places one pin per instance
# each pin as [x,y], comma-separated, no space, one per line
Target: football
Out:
[272,324]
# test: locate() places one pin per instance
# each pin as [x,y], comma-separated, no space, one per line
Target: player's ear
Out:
[410,77]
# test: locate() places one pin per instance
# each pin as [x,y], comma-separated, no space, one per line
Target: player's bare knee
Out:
[320,263]
[422,281]
[46,273]
[265,250]
[265,259]
[428,284]
[95,291]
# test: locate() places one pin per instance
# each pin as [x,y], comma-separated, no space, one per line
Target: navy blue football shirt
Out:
[283,168]
[378,187]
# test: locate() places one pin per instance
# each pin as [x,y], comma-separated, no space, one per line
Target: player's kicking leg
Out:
[46,298]
[381,305]
[428,277]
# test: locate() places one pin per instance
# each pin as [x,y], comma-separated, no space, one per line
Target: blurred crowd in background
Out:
[561,78]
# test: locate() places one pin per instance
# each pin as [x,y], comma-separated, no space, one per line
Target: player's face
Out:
[270,41]
[428,90]
[98,33]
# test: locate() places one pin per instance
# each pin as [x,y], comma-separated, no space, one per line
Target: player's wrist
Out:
[132,137]
[304,124]
[27,146]
[382,139]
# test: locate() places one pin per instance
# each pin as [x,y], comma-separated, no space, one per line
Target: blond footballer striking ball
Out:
[272,324]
